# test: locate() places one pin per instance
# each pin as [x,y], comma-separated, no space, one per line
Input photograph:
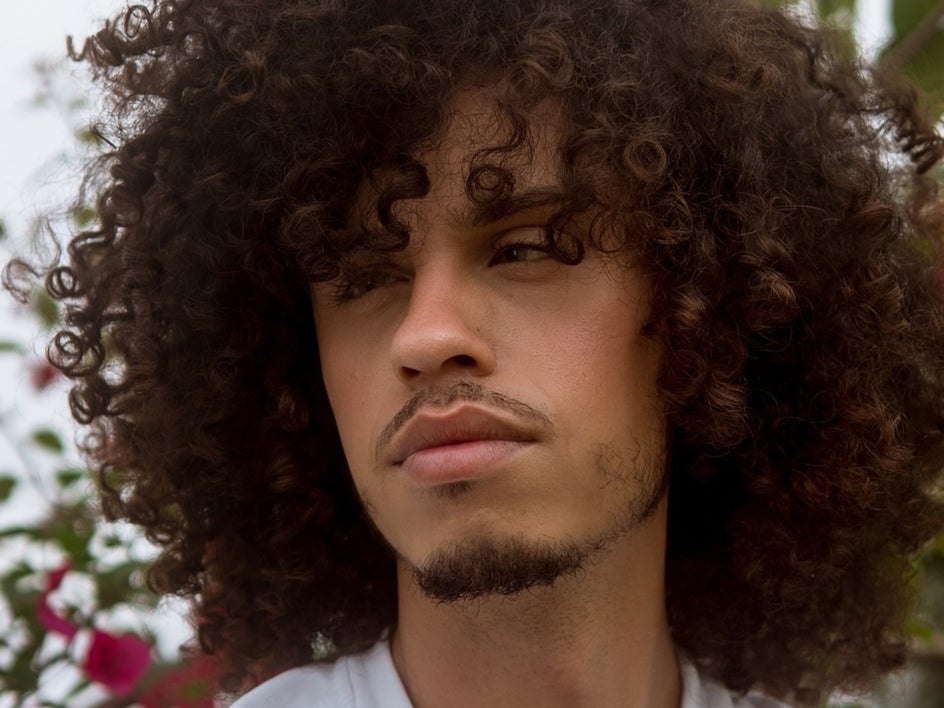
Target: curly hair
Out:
[778,193]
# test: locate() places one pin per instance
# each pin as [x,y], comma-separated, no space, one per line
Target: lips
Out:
[456,443]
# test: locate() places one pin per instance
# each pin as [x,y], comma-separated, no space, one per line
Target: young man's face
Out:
[498,409]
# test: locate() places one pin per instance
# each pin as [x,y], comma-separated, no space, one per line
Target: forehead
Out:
[479,131]
[485,151]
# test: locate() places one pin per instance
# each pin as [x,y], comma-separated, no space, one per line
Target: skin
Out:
[484,306]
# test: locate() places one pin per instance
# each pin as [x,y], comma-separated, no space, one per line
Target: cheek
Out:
[345,392]
[601,346]
[347,378]
[602,372]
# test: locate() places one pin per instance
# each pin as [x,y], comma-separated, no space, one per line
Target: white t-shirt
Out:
[370,680]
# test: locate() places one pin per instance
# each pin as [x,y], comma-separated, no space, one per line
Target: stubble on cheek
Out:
[496,564]
[638,474]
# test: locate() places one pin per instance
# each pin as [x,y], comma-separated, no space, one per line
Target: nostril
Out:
[409,373]
[464,360]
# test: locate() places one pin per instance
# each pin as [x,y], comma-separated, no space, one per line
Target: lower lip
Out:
[461,462]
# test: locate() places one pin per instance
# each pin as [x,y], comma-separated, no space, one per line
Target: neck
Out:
[600,638]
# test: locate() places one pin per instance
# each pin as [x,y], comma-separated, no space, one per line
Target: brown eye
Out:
[357,283]
[519,253]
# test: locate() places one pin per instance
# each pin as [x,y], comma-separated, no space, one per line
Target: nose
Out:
[441,333]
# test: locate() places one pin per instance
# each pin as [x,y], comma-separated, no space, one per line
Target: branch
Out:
[916,40]
[932,649]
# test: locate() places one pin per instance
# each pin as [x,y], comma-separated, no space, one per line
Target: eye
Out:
[522,250]
[356,283]
[519,253]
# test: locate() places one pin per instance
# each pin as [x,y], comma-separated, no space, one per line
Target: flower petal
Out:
[116,662]
[191,684]
[49,618]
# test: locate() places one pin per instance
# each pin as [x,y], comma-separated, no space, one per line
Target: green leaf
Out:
[7,485]
[919,629]
[3,230]
[45,308]
[841,14]
[73,535]
[83,215]
[21,602]
[831,7]
[122,584]
[113,541]
[48,440]
[78,688]
[68,477]
[907,14]
[8,346]
[86,134]
[28,531]
[20,678]
[918,45]
[938,547]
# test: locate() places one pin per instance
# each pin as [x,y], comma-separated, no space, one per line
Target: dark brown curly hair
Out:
[778,193]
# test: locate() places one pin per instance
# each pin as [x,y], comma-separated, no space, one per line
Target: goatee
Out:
[487,567]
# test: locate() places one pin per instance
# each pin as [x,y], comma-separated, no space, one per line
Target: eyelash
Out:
[354,284]
[358,282]
[511,248]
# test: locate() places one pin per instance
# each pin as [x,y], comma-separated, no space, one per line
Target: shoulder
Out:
[367,680]
[702,692]
[317,686]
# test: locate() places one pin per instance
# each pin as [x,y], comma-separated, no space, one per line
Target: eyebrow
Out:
[479,215]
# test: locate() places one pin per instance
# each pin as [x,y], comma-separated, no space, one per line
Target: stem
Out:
[916,40]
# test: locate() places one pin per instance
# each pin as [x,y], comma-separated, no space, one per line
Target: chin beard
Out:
[485,566]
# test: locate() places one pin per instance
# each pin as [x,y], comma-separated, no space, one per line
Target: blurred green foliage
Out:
[53,521]
[917,45]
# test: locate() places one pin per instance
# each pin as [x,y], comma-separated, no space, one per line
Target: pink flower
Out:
[48,618]
[116,662]
[192,684]
[42,374]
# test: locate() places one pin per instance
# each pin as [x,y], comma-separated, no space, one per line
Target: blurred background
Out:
[78,627]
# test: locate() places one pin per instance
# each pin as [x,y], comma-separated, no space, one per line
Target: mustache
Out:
[439,395]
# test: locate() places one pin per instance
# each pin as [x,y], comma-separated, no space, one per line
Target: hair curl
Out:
[756,173]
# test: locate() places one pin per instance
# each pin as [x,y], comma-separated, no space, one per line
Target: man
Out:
[532,353]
